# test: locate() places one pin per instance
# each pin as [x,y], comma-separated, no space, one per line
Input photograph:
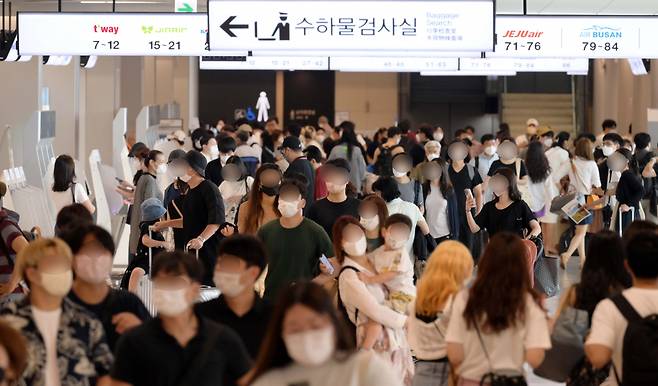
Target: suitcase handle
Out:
[187,250]
[620,219]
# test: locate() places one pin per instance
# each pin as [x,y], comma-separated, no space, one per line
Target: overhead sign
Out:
[525,65]
[351,25]
[185,6]
[394,64]
[112,34]
[264,63]
[576,37]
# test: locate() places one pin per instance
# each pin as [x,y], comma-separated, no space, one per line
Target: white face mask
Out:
[438,136]
[395,243]
[162,169]
[548,142]
[229,283]
[57,284]
[370,223]
[214,150]
[185,177]
[93,270]
[490,150]
[433,156]
[311,348]
[607,150]
[170,302]
[356,248]
[398,173]
[288,208]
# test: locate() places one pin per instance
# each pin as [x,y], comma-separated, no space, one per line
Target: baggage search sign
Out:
[351,25]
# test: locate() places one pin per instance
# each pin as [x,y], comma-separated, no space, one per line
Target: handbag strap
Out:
[484,348]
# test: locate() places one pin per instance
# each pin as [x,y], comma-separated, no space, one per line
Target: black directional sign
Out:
[228,27]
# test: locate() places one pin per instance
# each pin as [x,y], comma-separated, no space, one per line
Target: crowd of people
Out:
[405,259]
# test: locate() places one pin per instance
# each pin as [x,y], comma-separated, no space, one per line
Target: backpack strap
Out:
[340,305]
[417,192]
[626,309]
[72,190]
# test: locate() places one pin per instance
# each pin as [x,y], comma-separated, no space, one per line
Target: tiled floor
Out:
[568,277]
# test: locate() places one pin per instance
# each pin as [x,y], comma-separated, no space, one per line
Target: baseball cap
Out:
[532,121]
[292,143]
[178,135]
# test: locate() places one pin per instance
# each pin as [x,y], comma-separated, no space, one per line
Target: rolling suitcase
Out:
[206,293]
[620,220]
[145,286]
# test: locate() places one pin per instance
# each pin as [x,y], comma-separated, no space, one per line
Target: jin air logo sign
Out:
[149,29]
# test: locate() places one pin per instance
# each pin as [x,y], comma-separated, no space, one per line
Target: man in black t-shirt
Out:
[226,147]
[179,346]
[93,250]
[338,203]
[240,261]
[292,151]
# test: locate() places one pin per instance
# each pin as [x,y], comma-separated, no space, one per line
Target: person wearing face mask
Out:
[227,146]
[250,153]
[340,199]
[432,152]
[259,209]
[383,156]
[629,191]
[175,194]
[484,161]
[209,147]
[374,325]
[372,215]
[314,155]
[306,344]
[410,190]
[464,177]
[546,137]
[179,346]
[93,252]
[149,240]
[349,149]
[147,187]
[442,213]
[235,187]
[609,178]
[294,244]
[66,343]
[240,261]
[523,140]
[298,165]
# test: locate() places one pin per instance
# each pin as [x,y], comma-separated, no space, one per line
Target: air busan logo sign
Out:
[601,32]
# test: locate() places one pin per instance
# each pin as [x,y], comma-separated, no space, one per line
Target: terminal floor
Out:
[567,278]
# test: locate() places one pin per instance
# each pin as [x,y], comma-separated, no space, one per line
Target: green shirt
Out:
[293,253]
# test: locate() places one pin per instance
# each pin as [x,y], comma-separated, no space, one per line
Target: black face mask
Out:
[270,190]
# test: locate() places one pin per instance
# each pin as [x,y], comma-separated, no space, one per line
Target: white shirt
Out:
[542,194]
[368,299]
[609,325]
[48,324]
[557,157]
[436,211]
[253,150]
[427,340]
[396,261]
[232,193]
[586,177]
[506,349]
[364,368]
[410,210]
[62,199]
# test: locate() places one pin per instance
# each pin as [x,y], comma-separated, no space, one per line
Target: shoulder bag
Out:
[511,377]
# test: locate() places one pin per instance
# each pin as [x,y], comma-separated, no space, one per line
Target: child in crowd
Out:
[394,271]
[152,212]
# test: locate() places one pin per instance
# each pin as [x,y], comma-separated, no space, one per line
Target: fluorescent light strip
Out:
[120,2]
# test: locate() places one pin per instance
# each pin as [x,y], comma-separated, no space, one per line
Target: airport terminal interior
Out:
[329,192]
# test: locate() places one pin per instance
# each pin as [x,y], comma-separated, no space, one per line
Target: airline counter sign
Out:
[575,37]
[351,25]
[112,34]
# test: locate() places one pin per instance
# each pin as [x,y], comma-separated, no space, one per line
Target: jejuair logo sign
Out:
[149,29]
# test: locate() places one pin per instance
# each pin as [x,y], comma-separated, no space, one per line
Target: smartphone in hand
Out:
[327,264]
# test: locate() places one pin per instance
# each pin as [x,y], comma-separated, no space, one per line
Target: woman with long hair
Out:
[307,340]
[236,185]
[498,324]
[372,214]
[147,187]
[629,190]
[543,188]
[584,177]
[65,190]
[349,148]
[442,211]
[447,269]
[366,305]
[259,209]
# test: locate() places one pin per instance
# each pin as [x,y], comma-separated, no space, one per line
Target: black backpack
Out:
[342,311]
[640,353]
[384,164]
